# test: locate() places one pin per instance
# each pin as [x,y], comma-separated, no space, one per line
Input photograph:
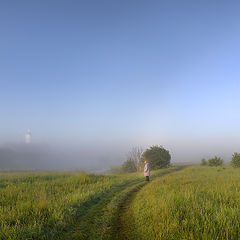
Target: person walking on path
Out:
[147,170]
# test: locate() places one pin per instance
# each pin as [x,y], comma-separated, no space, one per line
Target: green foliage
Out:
[216,161]
[157,156]
[195,203]
[129,166]
[204,162]
[236,160]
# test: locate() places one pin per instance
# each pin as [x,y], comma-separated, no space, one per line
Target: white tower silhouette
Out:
[28,136]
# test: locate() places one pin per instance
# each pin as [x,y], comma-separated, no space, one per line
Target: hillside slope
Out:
[195,203]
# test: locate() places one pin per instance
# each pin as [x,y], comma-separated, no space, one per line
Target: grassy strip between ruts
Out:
[196,203]
[101,220]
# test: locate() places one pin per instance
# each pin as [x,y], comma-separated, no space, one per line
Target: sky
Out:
[109,75]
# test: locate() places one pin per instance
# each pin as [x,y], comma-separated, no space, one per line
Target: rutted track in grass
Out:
[100,219]
[95,220]
[123,226]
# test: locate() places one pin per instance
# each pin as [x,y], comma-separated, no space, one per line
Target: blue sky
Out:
[122,72]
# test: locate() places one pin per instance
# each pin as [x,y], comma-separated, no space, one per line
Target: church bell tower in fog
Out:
[28,136]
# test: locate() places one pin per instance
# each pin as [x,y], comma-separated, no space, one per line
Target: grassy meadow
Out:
[179,203]
[195,203]
[62,205]
[39,205]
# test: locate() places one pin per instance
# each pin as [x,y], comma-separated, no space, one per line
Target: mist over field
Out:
[99,157]
[61,157]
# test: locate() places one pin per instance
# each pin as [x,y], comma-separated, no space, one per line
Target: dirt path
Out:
[107,217]
[125,226]
[86,225]
[125,221]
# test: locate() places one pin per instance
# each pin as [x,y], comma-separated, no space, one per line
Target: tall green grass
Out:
[100,221]
[42,205]
[196,203]
[63,205]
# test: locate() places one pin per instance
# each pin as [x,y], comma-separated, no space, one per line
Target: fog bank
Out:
[20,156]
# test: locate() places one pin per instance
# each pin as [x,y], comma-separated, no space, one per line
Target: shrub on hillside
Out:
[157,156]
[204,162]
[129,166]
[216,161]
[236,160]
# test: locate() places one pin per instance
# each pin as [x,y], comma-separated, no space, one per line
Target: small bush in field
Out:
[129,166]
[216,161]
[236,160]
[204,162]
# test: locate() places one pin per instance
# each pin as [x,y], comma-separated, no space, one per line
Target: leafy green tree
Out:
[216,161]
[129,166]
[204,162]
[235,160]
[157,156]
